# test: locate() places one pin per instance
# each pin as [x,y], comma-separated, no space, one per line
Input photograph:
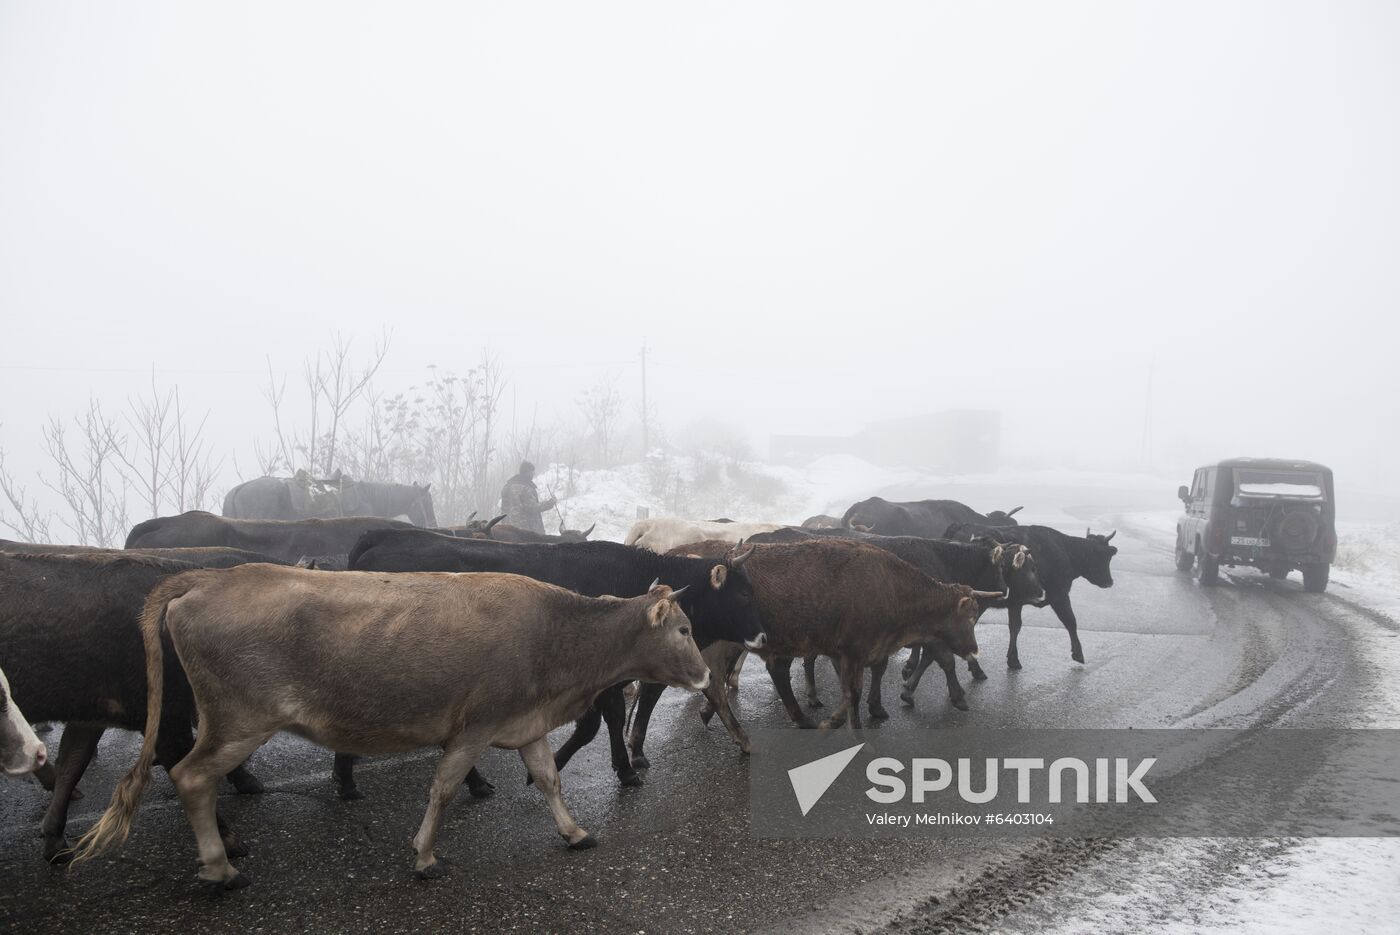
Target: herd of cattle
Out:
[346,631]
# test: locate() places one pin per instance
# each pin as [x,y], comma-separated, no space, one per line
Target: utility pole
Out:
[646,414]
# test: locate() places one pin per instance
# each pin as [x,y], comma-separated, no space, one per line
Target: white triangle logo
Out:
[811,780]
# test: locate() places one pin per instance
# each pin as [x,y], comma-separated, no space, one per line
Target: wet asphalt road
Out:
[676,855]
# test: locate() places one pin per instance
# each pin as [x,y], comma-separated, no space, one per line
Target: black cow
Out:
[1023,586]
[287,540]
[927,518]
[70,628]
[1060,559]
[506,533]
[715,595]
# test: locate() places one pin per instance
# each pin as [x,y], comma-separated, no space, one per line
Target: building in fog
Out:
[955,441]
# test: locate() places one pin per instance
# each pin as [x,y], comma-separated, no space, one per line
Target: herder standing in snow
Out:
[520,501]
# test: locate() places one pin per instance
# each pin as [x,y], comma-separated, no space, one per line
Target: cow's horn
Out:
[678,592]
[989,595]
[472,517]
[491,525]
[589,530]
[651,587]
[741,557]
[1109,537]
[1018,509]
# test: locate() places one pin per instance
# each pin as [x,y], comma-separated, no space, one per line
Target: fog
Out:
[1149,234]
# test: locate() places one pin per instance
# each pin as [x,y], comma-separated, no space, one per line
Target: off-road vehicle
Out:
[1273,514]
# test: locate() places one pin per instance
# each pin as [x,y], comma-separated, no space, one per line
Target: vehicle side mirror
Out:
[1183,493]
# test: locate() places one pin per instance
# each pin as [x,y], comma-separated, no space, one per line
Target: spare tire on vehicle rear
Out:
[1296,530]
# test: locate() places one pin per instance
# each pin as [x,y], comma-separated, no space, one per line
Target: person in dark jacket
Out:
[520,501]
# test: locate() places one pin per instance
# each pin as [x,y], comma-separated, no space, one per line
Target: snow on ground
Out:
[702,486]
[1292,886]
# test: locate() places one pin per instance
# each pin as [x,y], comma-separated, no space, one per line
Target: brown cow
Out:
[846,600]
[365,662]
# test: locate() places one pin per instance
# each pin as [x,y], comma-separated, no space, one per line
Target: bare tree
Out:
[27,519]
[601,406]
[334,381]
[335,387]
[89,476]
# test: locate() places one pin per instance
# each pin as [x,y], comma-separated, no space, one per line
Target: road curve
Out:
[676,855]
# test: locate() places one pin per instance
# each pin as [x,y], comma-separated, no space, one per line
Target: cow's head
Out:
[415,502]
[665,648]
[959,630]
[998,518]
[722,603]
[1095,558]
[575,535]
[1019,571]
[20,751]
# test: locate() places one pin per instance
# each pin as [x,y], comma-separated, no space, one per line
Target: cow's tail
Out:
[114,826]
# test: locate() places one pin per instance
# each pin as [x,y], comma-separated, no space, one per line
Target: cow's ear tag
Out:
[718,574]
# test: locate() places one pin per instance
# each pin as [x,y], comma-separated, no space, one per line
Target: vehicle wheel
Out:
[1278,574]
[1207,570]
[1315,577]
[1184,559]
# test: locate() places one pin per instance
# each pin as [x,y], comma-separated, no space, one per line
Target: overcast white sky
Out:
[815,213]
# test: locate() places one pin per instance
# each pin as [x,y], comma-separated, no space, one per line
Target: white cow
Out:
[666,533]
[20,751]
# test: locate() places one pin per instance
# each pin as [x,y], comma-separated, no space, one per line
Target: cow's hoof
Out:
[960,703]
[707,715]
[906,699]
[639,761]
[813,701]
[1013,663]
[57,852]
[629,778]
[978,675]
[350,794]
[235,848]
[248,785]
[585,843]
[905,673]
[434,871]
[481,789]
[75,795]
[1077,656]
[236,882]
[879,713]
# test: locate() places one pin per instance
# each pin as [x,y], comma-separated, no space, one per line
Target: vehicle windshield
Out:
[1253,482]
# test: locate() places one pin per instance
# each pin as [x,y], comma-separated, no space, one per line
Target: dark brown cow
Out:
[70,634]
[846,600]
[366,662]
[287,540]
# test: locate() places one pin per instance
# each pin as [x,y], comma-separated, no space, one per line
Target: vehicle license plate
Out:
[1249,540]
